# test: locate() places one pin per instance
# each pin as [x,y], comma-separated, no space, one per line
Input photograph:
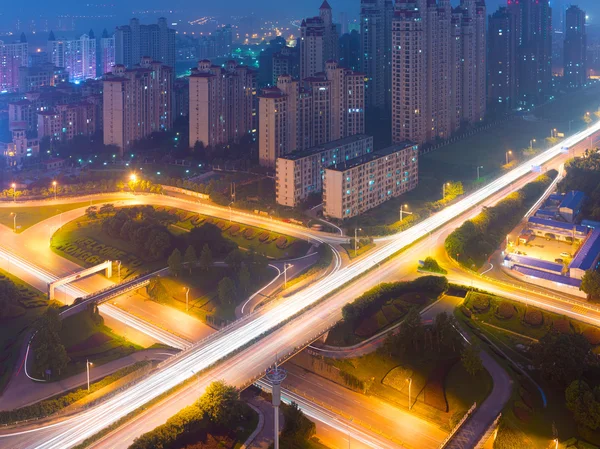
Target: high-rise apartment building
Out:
[296,116]
[534,50]
[134,41]
[301,173]
[221,102]
[502,61]
[285,62]
[352,187]
[77,56]
[66,121]
[575,48]
[438,68]
[12,56]
[319,42]
[137,102]
[107,53]
[34,78]
[376,51]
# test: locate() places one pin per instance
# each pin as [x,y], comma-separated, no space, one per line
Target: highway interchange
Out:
[252,343]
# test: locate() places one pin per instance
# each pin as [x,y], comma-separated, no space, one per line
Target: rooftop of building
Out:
[532,272]
[588,253]
[272,92]
[361,160]
[327,146]
[572,200]
[539,221]
[535,263]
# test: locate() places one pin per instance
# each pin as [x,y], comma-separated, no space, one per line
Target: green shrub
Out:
[505,311]
[234,229]
[263,236]
[249,234]
[479,302]
[281,242]
[562,325]
[592,335]
[534,317]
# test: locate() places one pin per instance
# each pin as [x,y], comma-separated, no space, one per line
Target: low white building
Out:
[301,173]
[353,187]
[19,148]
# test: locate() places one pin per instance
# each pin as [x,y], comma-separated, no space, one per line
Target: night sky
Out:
[24,10]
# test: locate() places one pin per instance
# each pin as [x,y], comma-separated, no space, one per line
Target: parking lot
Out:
[549,250]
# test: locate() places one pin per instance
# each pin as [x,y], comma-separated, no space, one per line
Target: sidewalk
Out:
[264,438]
[22,391]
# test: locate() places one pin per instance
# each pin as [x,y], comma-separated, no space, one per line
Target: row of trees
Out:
[218,411]
[9,297]
[50,355]
[475,240]
[583,174]
[82,188]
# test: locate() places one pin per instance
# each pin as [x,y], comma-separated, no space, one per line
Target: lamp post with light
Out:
[509,152]
[409,380]
[402,211]
[356,240]
[14,221]
[54,185]
[446,184]
[87,365]
[14,189]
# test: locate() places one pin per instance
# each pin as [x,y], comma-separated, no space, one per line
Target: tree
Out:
[190,257]
[445,332]
[584,403]
[50,354]
[234,259]
[157,291]
[244,278]
[219,403]
[471,360]
[174,262]
[590,284]
[226,291]
[206,259]
[562,358]
[92,212]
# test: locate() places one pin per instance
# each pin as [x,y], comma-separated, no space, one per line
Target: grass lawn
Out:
[29,216]
[360,250]
[85,339]
[13,329]
[203,297]
[437,379]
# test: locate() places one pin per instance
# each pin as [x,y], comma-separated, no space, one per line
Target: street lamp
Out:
[479,167]
[285,268]
[132,181]
[87,366]
[356,240]
[54,184]
[14,187]
[187,298]
[402,211]
[409,380]
[531,142]
[447,184]
[119,269]
[508,153]
[14,221]
[229,206]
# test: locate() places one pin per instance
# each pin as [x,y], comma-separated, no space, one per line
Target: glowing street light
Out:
[356,239]
[14,221]
[54,184]
[508,153]
[87,365]
[402,211]
[14,188]
[447,184]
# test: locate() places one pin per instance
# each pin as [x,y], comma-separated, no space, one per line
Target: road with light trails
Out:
[214,349]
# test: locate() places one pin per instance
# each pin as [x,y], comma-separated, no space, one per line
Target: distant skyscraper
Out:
[137,102]
[107,53]
[134,41]
[297,116]
[502,60]
[12,56]
[438,68]
[350,51]
[376,51]
[575,62]
[319,40]
[534,50]
[285,62]
[221,103]
[77,56]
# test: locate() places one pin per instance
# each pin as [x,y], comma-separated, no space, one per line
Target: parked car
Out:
[565,254]
[558,260]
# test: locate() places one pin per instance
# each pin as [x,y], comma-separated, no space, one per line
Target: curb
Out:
[259,427]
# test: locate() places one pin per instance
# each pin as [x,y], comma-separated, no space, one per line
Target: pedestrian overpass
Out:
[107,265]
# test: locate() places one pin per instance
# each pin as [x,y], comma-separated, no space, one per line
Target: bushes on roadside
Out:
[505,310]
[534,317]
[562,326]
[249,234]
[479,302]
[592,335]
[263,236]
[281,242]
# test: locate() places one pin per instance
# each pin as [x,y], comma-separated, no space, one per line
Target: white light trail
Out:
[215,349]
